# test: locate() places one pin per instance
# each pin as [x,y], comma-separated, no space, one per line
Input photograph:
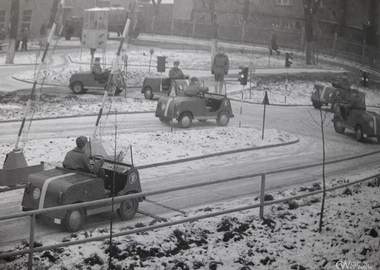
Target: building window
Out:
[2,19]
[26,19]
[284,2]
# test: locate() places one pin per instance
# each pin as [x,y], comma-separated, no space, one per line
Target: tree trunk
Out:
[11,51]
[310,59]
[15,6]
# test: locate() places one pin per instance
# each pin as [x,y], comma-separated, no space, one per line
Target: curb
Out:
[214,155]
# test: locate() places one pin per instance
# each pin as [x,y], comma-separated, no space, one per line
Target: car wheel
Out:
[358,133]
[185,120]
[223,119]
[77,88]
[148,93]
[317,104]
[165,120]
[74,219]
[338,126]
[128,209]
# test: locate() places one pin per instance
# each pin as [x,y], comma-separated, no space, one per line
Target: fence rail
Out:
[293,39]
[31,250]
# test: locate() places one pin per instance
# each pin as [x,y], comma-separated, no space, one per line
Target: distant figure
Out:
[219,69]
[3,34]
[273,43]
[100,75]
[176,73]
[25,38]
[18,39]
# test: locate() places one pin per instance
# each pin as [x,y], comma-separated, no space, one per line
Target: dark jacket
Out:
[76,159]
[220,64]
[97,69]
[176,73]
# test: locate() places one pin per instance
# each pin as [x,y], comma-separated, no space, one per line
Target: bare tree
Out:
[15,6]
[214,22]
[156,7]
[310,8]
[322,122]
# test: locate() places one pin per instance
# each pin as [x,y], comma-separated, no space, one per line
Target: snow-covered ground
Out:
[349,240]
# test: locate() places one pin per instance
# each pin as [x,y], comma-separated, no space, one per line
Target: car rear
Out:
[58,187]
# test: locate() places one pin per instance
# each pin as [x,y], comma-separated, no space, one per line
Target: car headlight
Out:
[36,193]
[330,95]
[371,124]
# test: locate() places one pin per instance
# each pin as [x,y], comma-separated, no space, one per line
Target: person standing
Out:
[18,39]
[25,38]
[273,43]
[219,69]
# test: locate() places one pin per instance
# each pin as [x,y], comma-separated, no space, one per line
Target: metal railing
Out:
[290,39]
[103,202]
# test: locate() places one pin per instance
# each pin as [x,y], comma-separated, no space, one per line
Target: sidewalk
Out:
[10,84]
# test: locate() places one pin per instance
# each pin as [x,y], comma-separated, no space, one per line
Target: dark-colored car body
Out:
[184,107]
[361,121]
[59,186]
[81,82]
[325,95]
[152,86]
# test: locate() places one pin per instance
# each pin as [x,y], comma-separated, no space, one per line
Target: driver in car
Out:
[100,75]
[76,159]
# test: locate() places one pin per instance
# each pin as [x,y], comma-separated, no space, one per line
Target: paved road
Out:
[296,120]
[292,119]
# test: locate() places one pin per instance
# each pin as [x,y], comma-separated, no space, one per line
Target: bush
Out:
[293,204]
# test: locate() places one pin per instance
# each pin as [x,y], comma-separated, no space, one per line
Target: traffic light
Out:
[288,61]
[161,61]
[243,75]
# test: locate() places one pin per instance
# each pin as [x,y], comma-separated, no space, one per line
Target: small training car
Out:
[59,186]
[82,81]
[357,119]
[325,95]
[152,86]
[200,105]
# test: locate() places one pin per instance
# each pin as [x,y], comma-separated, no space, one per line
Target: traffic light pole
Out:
[241,105]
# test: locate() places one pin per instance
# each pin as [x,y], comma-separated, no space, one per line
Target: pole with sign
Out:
[265,102]
[150,59]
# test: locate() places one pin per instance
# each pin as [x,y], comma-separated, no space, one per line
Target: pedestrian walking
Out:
[273,46]
[219,69]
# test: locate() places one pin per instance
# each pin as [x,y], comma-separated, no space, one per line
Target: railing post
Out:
[262,196]
[334,44]
[363,52]
[193,34]
[31,241]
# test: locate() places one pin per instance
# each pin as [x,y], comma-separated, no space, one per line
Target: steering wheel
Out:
[98,159]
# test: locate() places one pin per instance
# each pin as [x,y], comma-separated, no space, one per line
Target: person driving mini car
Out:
[356,102]
[100,75]
[76,159]
[176,73]
[194,88]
